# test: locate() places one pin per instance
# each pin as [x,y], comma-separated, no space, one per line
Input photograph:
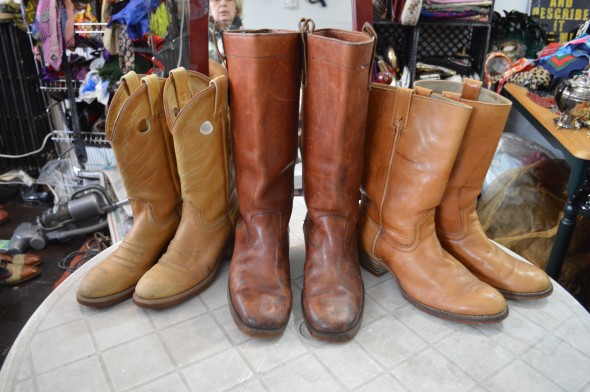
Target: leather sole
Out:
[335,337]
[371,265]
[263,333]
[163,303]
[103,302]
[526,296]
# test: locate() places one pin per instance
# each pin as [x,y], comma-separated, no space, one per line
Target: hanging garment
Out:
[135,16]
[50,32]
[124,48]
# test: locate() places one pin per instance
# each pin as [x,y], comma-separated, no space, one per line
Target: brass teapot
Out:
[573,101]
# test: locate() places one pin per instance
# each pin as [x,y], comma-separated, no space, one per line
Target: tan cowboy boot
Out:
[335,100]
[457,223]
[411,144]
[143,147]
[264,69]
[197,113]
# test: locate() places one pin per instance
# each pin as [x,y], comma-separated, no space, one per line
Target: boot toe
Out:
[163,287]
[266,313]
[529,282]
[103,286]
[477,303]
[333,317]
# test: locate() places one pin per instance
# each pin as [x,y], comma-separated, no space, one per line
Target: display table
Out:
[575,145]
[543,345]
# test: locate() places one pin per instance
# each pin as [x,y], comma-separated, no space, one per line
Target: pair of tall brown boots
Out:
[170,138]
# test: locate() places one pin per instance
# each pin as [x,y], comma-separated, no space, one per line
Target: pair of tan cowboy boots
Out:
[425,162]
[170,139]
[265,78]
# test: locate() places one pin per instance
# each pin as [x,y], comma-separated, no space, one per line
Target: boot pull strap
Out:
[368,29]
[423,91]
[220,84]
[221,55]
[451,95]
[152,82]
[130,81]
[305,26]
[471,89]
[401,108]
[179,77]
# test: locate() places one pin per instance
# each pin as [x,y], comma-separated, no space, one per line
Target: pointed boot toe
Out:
[482,305]
[98,289]
[527,282]
[27,259]
[164,285]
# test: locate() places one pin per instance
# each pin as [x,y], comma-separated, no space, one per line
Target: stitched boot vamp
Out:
[333,292]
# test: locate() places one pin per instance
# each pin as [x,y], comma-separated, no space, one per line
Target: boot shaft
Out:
[137,129]
[411,145]
[197,113]
[335,99]
[482,135]
[264,68]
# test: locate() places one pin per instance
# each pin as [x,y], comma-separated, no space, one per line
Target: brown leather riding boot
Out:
[264,81]
[143,148]
[197,113]
[411,144]
[457,223]
[335,99]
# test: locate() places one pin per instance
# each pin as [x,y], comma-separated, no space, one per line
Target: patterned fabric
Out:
[447,14]
[411,12]
[571,57]
[124,48]
[50,32]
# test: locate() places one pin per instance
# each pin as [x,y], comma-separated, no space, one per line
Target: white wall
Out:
[273,14]
[510,5]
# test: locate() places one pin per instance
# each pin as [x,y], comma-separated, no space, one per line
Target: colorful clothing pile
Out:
[573,56]
[474,10]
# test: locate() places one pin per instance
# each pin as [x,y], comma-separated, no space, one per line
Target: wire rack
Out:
[98,149]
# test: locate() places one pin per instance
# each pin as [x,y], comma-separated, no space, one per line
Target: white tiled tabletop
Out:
[543,345]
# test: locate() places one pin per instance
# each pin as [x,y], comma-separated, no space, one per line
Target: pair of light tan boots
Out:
[425,162]
[170,139]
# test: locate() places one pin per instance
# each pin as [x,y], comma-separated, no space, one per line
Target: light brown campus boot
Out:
[411,144]
[264,69]
[335,100]
[143,148]
[197,113]
[457,223]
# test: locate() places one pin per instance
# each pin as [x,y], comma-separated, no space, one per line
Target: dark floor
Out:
[19,302]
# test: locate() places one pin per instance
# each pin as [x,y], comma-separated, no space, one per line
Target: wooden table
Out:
[575,145]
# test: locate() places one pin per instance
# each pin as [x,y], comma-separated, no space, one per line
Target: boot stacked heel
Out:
[371,265]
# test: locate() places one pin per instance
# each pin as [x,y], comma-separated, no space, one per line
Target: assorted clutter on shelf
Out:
[432,39]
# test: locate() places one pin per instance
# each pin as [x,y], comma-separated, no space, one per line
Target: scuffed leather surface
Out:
[335,101]
[264,68]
